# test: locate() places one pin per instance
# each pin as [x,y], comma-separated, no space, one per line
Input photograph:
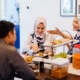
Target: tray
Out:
[54,46]
[39,59]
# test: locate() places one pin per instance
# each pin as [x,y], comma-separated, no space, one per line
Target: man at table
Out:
[10,60]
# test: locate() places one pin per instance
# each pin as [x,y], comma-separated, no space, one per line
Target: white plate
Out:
[37,55]
[38,59]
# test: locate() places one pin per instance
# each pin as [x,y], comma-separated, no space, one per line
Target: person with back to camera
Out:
[36,39]
[10,60]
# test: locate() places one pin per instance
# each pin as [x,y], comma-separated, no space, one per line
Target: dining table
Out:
[45,74]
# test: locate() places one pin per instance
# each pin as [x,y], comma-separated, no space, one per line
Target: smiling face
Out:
[40,26]
[75,24]
[40,29]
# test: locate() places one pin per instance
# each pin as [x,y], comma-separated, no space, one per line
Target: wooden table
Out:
[45,75]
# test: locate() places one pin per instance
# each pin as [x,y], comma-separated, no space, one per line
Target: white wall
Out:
[3,9]
[78,3]
[0,9]
[11,11]
[50,9]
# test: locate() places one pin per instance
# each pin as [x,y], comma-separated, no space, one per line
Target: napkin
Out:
[71,70]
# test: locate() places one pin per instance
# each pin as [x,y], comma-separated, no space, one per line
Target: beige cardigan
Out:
[26,47]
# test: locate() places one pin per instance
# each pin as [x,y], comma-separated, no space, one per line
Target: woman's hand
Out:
[51,53]
[53,43]
[56,31]
[46,52]
[34,47]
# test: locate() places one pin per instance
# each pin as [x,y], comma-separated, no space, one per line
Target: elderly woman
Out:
[38,38]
